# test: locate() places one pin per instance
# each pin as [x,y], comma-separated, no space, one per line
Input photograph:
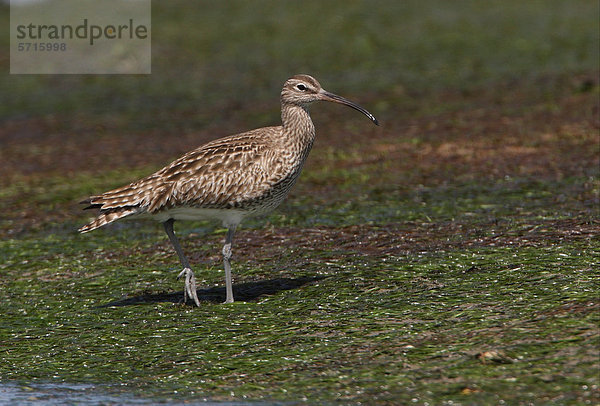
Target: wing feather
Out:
[224,173]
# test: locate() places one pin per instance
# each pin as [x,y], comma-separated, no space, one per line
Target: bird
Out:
[227,179]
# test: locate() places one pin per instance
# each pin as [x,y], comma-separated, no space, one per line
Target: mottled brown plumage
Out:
[227,179]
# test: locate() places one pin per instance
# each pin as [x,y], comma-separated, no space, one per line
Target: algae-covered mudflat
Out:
[450,256]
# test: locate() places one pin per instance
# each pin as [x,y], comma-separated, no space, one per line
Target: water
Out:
[64,394]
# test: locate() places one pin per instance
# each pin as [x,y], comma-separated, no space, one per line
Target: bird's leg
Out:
[190,280]
[226,258]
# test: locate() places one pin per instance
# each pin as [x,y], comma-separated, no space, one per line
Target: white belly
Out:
[226,216]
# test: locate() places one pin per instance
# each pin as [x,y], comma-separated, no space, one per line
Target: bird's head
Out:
[302,90]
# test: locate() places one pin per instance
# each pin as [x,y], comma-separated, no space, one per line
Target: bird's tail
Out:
[118,203]
[108,217]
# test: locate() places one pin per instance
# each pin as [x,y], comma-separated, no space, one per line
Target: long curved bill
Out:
[339,99]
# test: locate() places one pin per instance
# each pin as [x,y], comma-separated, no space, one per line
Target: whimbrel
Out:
[227,179]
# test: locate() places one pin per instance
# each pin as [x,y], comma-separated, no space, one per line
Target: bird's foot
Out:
[190,286]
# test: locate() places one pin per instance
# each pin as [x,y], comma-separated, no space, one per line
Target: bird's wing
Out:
[224,173]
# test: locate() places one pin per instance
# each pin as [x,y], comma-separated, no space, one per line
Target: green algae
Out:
[391,328]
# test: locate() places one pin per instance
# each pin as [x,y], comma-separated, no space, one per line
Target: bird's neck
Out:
[297,125]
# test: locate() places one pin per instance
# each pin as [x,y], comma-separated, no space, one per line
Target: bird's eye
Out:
[301,87]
